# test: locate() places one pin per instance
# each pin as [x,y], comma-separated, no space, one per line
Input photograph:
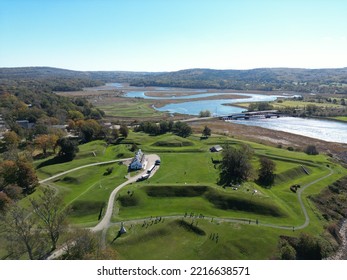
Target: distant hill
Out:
[267,79]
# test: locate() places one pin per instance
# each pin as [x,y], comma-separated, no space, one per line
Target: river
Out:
[327,130]
[330,131]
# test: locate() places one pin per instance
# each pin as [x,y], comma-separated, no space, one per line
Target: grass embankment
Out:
[87,190]
[93,152]
[187,182]
[201,240]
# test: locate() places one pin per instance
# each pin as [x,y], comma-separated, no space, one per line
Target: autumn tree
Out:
[42,142]
[20,173]
[266,171]
[13,191]
[26,176]
[46,141]
[5,201]
[11,139]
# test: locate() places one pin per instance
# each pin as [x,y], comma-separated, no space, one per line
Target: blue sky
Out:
[169,35]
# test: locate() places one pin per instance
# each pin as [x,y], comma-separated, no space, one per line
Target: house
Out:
[25,124]
[137,161]
[2,124]
[216,148]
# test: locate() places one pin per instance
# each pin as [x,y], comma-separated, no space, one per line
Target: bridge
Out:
[248,115]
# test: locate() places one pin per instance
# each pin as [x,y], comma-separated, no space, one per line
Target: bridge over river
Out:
[256,114]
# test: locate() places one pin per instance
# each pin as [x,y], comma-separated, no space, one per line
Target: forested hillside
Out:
[28,94]
[267,79]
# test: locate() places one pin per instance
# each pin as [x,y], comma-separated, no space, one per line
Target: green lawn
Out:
[96,151]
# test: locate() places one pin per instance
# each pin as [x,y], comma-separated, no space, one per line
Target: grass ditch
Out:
[212,197]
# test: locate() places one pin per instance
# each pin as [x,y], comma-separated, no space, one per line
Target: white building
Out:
[137,162]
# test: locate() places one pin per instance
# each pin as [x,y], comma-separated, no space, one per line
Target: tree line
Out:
[179,128]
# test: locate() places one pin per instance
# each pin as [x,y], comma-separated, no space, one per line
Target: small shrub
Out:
[108,171]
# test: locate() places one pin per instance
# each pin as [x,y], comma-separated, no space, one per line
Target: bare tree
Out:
[22,234]
[85,245]
[48,209]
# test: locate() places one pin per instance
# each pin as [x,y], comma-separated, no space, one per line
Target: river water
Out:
[331,131]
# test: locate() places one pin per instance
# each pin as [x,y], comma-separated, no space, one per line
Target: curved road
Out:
[307,218]
[105,222]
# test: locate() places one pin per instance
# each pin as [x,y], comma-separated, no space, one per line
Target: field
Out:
[343,119]
[297,104]
[186,185]
[128,109]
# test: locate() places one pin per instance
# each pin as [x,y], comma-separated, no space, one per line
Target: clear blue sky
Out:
[169,35]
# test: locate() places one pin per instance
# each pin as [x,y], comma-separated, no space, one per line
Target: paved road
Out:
[307,218]
[104,223]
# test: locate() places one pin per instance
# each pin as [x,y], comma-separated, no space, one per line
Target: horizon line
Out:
[183,69]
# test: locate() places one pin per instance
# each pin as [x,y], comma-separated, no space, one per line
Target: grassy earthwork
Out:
[186,183]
